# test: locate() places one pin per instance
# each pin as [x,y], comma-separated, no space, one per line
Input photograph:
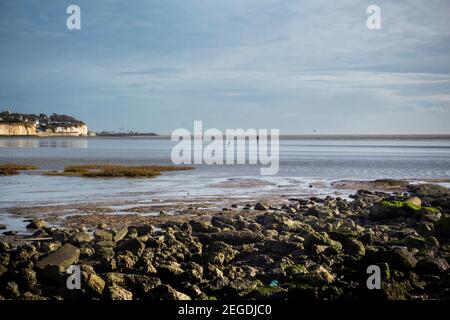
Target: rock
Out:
[425,229]
[242,287]
[281,247]
[126,262]
[40,233]
[320,212]
[280,222]
[116,292]
[262,206]
[2,226]
[32,297]
[134,246]
[431,266]
[442,228]
[296,272]
[415,242]
[60,235]
[80,237]
[303,292]
[166,292]
[354,248]
[398,259]
[141,285]
[414,201]
[402,209]
[222,222]
[232,237]
[193,273]
[37,224]
[432,242]
[105,244]
[63,257]
[317,238]
[103,235]
[318,276]
[169,270]
[28,278]
[102,225]
[51,246]
[4,246]
[202,227]
[104,250]
[429,190]
[120,234]
[12,290]
[219,253]
[269,293]
[192,290]
[95,284]
[132,233]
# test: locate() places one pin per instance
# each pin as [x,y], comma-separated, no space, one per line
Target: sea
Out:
[306,167]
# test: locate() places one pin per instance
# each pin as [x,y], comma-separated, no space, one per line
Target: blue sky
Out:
[293,65]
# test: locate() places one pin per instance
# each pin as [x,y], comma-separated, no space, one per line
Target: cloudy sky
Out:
[293,65]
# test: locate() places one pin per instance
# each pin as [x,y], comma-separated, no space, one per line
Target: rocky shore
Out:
[316,248]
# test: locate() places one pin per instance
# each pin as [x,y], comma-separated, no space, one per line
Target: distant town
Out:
[22,124]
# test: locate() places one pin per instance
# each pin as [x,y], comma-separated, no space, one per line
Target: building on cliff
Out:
[18,124]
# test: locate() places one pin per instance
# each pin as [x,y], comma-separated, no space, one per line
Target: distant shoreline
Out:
[282,137]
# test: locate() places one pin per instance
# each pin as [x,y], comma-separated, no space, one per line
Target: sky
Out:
[298,66]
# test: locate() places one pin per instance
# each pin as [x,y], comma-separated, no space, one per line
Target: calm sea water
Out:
[301,162]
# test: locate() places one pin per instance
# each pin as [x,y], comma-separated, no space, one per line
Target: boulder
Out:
[415,242]
[28,278]
[4,246]
[126,262]
[166,292]
[281,247]
[169,270]
[386,210]
[261,206]
[80,237]
[103,235]
[425,228]
[65,256]
[232,237]
[120,234]
[134,246]
[50,246]
[202,227]
[354,247]
[95,284]
[140,284]
[431,266]
[12,290]
[219,253]
[115,292]
[241,287]
[318,276]
[398,259]
[37,224]
[414,201]
[101,225]
[193,273]
[442,228]
[320,212]
[317,238]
